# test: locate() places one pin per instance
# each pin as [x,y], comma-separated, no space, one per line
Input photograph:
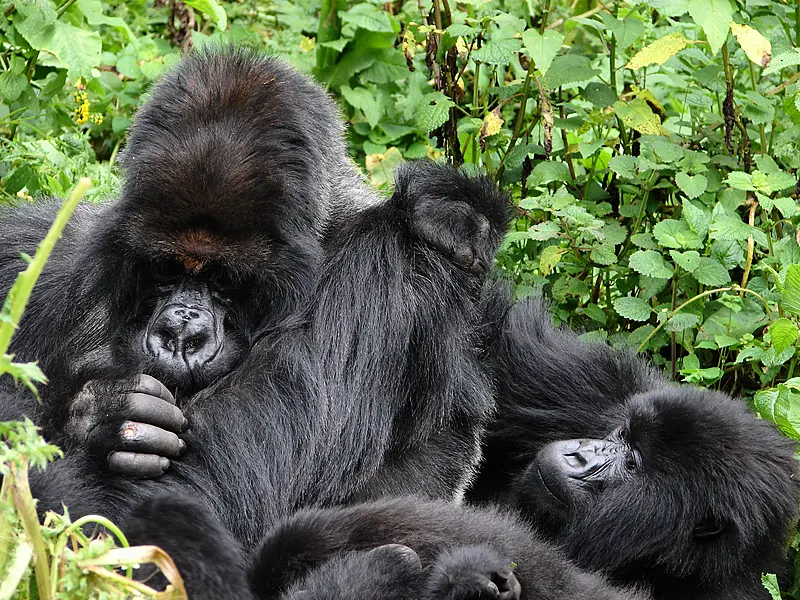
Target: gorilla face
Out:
[192,336]
[687,481]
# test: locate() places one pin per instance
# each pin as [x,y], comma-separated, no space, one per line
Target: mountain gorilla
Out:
[393,549]
[249,323]
[674,486]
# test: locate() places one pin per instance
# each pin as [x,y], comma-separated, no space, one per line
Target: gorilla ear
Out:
[708,528]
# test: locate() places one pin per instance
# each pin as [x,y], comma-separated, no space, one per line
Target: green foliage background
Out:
[651,147]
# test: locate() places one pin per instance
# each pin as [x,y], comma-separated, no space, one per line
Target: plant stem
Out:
[731,288]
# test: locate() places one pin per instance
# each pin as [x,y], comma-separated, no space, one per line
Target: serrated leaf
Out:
[624,165]
[688,261]
[432,112]
[770,583]
[604,254]
[787,206]
[780,180]
[542,49]
[790,296]
[212,9]
[711,272]
[692,186]
[658,52]
[740,181]
[714,17]
[547,171]
[542,232]
[365,100]
[671,233]
[646,241]
[567,69]
[783,60]
[497,52]
[368,17]
[783,334]
[680,321]
[696,218]
[634,309]
[638,115]
[549,259]
[650,263]
[755,46]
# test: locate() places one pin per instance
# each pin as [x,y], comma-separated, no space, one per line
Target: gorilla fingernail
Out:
[164,464]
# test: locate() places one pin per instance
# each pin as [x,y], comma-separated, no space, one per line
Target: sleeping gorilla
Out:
[675,486]
[221,327]
[394,549]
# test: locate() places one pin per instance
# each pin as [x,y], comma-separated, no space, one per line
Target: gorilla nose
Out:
[583,458]
[183,333]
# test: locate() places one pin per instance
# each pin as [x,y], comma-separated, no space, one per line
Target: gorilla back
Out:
[217,295]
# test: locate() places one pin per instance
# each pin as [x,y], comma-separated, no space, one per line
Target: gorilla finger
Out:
[139,466]
[153,387]
[143,437]
[155,411]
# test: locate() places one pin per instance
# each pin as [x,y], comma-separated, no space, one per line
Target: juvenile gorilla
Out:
[398,549]
[223,328]
[674,486]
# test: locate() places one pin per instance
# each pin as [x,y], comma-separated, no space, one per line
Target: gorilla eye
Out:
[632,460]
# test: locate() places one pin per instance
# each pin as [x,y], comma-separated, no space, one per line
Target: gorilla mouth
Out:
[547,488]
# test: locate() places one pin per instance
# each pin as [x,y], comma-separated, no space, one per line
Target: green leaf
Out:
[567,69]
[790,58]
[13,81]
[671,233]
[624,165]
[599,94]
[646,241]
[542,49]
[688,261]
[542,232]
[770,582]
[711,272]
[692,186]
[497,52]
[365,100]
[680,321]
[633,308]
[658,52]
[790,296]
[549,259]
[638,115]
[783,334]
[213,9]
[369,17]
[547,171]
[433,112]
[740,181]
[696,218]
[604,254]
[650,263]
[714,16]
[780,180]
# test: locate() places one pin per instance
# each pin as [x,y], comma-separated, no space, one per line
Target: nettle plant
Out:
[651,149]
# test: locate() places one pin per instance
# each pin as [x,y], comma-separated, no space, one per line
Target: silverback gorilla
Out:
[248,323]
[674,486]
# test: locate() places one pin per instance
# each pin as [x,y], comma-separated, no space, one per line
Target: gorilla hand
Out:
[464,217]
[133,427]
[473,573]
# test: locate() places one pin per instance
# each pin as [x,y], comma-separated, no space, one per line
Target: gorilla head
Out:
[687,485]
[229,187]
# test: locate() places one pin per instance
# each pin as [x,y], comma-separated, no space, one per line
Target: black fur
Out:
[465,553]
[350,326]
[707,464]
